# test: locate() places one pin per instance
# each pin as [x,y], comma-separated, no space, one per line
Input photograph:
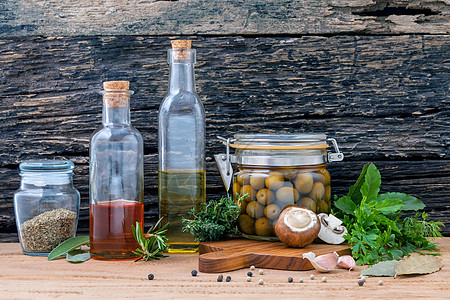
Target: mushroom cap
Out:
[297,226]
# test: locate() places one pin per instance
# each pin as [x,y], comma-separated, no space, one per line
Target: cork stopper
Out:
[115,95]
[180,47]
[116,85]
[181,44]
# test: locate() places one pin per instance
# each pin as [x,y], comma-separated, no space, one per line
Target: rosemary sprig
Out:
[154,244]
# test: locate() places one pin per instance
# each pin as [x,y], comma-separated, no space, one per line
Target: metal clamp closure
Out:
[338,156]
[224,164]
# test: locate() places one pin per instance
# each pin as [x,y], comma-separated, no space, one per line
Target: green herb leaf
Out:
[372,183]
[78,256]
[384,268]
[346,204]
[214,220]
[377,229]
[354,191]
[154,244]
[67,246]
[411,203]
[389,205]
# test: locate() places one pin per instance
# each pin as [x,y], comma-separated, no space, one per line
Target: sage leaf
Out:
[68,245]
[418,264]
[382,269]
[354,192]
[372,182]
[411,203]
[78,256]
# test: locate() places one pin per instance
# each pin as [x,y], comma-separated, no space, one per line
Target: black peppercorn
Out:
[360,282]
[228,279]
[151,276]
[290,279]
[194,272]
[250,274]
[220,278]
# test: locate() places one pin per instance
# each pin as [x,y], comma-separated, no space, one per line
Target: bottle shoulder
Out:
[182,103]
[116,133]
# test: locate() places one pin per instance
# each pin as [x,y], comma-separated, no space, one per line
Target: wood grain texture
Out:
[28,277]
[224,256]
[217,17]
[384,98]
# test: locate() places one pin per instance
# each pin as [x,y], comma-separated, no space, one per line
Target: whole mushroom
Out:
[297,227]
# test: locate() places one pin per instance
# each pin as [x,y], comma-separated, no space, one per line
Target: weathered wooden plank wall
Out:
[382,92]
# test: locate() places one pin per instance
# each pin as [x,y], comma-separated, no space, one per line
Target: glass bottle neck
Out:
[182,78]
[116,115]
[116,107]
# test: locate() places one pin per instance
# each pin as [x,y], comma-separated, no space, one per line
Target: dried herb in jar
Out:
[47,230]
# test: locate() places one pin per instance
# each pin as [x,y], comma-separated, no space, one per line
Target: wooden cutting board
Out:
[223,256]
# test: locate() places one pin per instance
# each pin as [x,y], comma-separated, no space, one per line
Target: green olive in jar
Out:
[304,182]
[257,181]
[289,174]
[308,203]
[287,195]
[272,211]
[275,180]
[255,210]
[325,178]
[243,207]
[236,189]
[265,196]
[327,193]
[242,178]
[246,224]
[318,191]
[247,189]
[322,207]
[263,227]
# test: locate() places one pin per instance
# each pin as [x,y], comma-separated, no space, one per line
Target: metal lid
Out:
[279,141]
[282,150]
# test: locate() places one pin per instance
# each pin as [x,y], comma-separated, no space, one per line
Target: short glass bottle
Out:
[116,172]
[181,137]
[46,205]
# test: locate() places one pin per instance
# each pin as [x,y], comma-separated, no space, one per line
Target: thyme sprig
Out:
[215,220]
[153,244]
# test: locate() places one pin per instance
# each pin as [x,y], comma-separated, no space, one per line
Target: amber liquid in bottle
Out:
[111,232]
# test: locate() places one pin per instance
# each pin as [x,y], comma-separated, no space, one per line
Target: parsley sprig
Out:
[377,228]
[214,220]
[153,244]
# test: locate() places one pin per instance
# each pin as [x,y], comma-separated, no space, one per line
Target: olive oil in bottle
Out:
[179,192]
[181,138]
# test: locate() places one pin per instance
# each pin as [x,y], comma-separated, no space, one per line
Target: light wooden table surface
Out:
[27,277]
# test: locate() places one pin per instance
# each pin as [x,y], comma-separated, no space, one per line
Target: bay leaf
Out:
[78,256]
[418,264]
[382,269]
[67,246]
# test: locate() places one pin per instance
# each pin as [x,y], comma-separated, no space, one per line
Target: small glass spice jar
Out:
[46,205]
[277,171]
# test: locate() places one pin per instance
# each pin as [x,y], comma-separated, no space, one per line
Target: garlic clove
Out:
[346,262]
[323,263]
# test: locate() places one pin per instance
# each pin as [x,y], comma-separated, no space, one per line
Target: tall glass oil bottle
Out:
[116,171]
[181,130]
